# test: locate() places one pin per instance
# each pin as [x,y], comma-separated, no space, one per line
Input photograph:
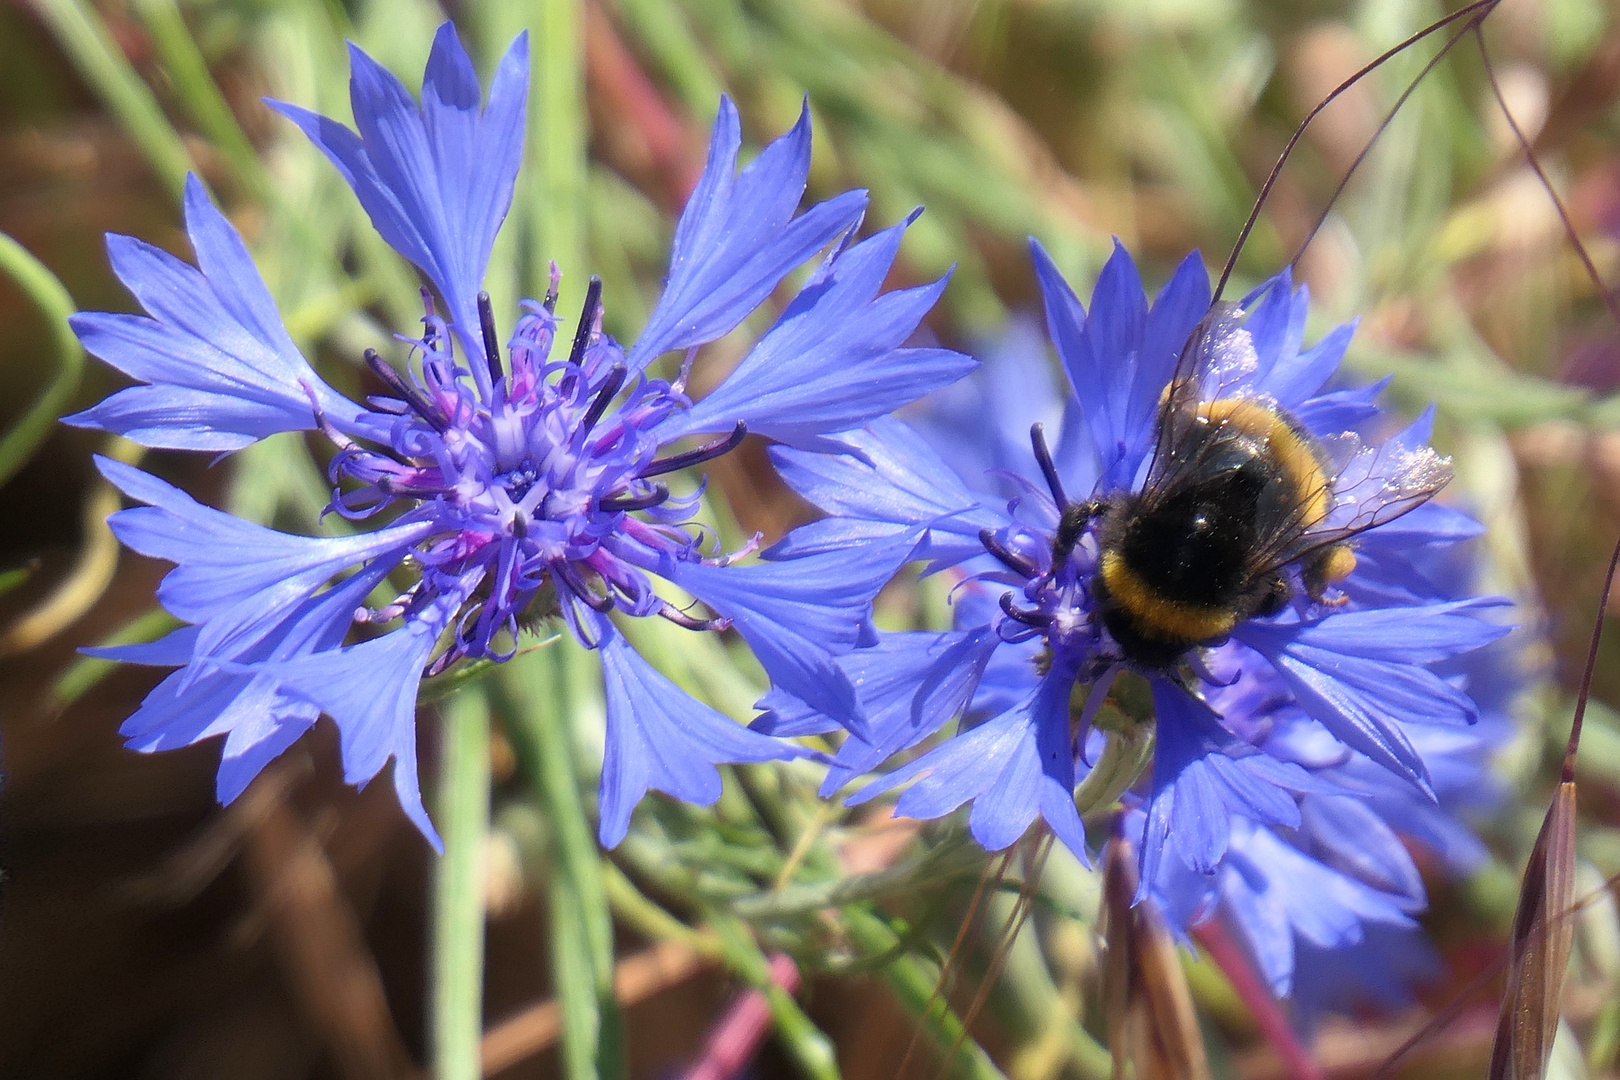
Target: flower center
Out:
[532,482]
[518,481]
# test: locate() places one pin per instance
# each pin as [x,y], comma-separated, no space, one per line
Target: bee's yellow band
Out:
[1154,615]
[1292,453]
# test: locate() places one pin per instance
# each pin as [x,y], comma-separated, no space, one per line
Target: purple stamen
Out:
[555,280]
[1019,564]
[658,495]
[1028,618]
[430,336]
[682,619]
[587,321]
[406,392]
[604,397]
[492,344]
[602,604]
[706,452]
[1043,458]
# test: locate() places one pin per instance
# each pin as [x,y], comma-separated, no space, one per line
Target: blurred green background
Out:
[308,932]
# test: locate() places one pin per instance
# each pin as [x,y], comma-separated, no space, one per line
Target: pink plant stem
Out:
[740,1031]
[1297,1059]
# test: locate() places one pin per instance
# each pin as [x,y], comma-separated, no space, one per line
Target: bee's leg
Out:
[1328,567]
[1274,595]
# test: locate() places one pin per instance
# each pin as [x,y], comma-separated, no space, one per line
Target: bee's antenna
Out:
[1383,125]
[1479,8]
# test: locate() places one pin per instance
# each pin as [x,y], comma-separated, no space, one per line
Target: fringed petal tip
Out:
[217,366]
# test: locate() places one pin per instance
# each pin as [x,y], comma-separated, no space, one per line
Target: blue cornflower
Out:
[1360,653]
[1327,911]
[1341,889]
[518,484]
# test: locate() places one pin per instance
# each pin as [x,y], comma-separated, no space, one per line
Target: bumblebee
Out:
[1241,509]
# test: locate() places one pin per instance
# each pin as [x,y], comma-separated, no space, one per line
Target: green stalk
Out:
[556,189]
[540,698]
[661,28]
[53,301]
[913,982]
[200,96]
[810,1049]
[195,86]
[84,37]
[458,912]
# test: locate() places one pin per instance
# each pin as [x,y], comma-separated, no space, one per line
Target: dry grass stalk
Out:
[1152,1024]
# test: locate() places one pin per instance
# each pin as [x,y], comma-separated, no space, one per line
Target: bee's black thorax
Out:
[1176,566]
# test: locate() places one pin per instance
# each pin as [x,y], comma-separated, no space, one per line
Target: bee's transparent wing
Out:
[1217,360]
[1367,486]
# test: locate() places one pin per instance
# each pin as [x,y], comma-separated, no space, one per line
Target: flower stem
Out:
[541,699]
[54,303]
[952,857]
[458,916]
[913,982]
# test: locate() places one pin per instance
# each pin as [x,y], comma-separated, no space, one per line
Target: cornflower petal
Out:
[223,561]
[738,238]
[980,424]
[170,650]
[1361,698]
[796,617]
[235,696]
[1122,356]
[436,179]
[1012,767]
[370,690]
[1352,837]
[220,370]
[1277,892]
[833,361]
[891,483]
[661,738]
[1203,777]
[910,685]
[1343,410]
